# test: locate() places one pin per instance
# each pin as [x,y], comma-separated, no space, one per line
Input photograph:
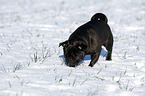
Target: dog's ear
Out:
[65,43]
[80,45]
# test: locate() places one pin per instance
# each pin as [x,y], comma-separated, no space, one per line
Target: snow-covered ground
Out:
[31,63]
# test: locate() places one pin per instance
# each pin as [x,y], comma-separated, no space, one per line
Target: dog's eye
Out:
[77,57]
[65,45]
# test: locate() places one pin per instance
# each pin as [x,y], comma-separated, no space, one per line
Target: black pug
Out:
[88,40]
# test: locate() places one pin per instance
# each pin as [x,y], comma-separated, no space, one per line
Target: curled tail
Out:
[99,16]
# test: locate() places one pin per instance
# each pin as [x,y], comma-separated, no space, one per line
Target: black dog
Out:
[88,40]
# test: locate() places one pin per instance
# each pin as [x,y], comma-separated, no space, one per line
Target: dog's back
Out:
[96,28]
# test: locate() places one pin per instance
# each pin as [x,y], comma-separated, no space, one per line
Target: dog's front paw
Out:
[108,59]
[91,65]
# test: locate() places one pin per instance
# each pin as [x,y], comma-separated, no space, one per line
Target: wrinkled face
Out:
[73,54]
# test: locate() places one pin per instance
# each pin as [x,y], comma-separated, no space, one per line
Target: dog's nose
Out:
[71,65]
[68,63]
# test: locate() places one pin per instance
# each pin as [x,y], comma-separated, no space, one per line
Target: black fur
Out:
[88,40]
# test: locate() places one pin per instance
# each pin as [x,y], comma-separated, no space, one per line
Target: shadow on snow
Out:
[87,57]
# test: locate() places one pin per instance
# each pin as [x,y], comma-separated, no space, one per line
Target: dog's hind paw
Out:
[108,59]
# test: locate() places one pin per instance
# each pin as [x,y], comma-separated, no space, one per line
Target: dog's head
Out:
[73,52]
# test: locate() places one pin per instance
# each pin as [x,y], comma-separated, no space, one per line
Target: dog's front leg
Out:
[95,57]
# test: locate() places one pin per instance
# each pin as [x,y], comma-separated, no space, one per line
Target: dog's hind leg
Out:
[95,57]
[109,55]
[109,46]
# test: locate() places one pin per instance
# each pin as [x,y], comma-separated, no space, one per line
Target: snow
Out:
[32,64]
